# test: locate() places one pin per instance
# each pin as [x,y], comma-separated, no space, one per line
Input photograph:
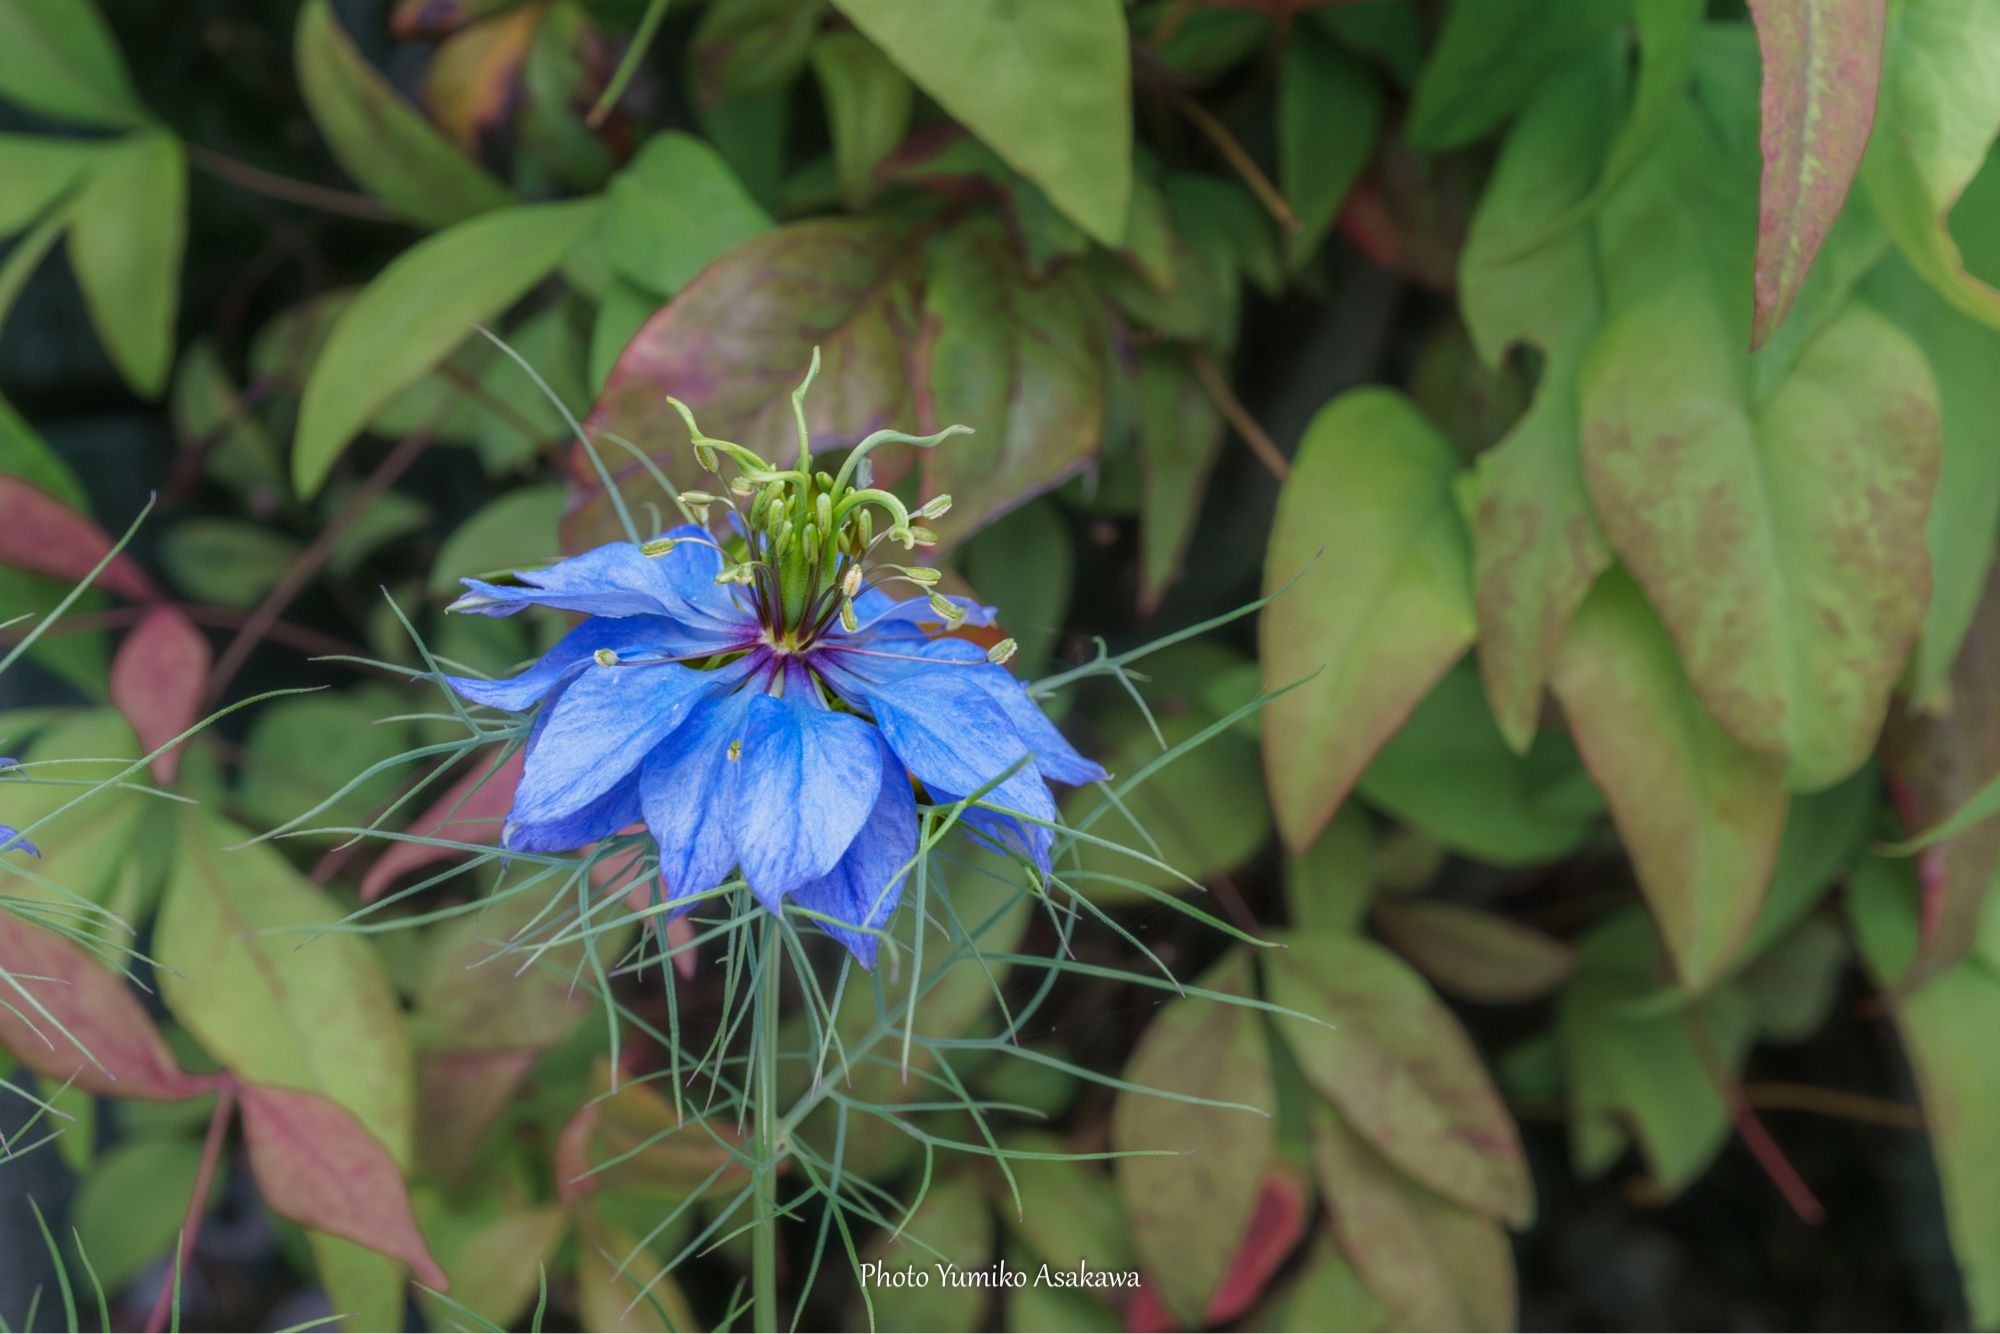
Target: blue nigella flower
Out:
[769,707]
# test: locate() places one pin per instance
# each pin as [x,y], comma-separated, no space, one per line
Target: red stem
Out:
[204,1181]
[1752,1132]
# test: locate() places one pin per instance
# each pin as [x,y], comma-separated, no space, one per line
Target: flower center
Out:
[807,538]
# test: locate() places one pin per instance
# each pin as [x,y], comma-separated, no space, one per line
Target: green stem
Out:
[764,1239]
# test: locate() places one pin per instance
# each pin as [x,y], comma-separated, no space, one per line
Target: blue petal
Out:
[1032,841]
[627,636]
[689,794]
[615,810]
[951,734]
[602,726]
[11,840]
[618,579]
[866,884]
[881,616]
[809,778]
[1054,757]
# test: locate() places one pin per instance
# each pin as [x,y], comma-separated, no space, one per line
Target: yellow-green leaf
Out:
[1700,814]
[417,310]
[383,141]
[1381,607]
[1046,83]
[128,228]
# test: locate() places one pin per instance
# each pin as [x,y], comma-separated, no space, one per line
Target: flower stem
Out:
[764,1088]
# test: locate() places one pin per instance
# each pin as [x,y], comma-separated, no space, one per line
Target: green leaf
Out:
[1205,812]
[1490,58]
[1325,1292]
[212,419]
[1046,84]
[1938,112]
[231,562]
[515,532]
[1070,1213]
[128,227]
[39,171]
[953,1226]
[87,850]
[1947,1026]
[275,1004]
[1782,540]
[1329,107]
[1401,1072]
[496,1252]
[304,749]
[383,142]
[1476,955]
[1179,435]
[1630,1068]
[1329,885]
[869,104]
[80,660]
[1524,277]
[57,58]
[366,1288]
[1188,1211]
[1025,565]
[417,310]
[1965,513]
[1432,1264]
[750,48]
[621,1297]
[132,1205]
[673,210]
[1700,815]
[1019,362]
[1448,772]
[471,996]
[1374,626]
[1822,66]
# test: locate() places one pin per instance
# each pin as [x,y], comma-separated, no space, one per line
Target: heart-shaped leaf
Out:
[1700,814]
[1370,625]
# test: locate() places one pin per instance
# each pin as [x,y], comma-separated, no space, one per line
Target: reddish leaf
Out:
[1822,64]
[470,811]
[319,1167]
[1276,1224]
[40,534]
[460,1095]
[44,977]
[157,681]
[1935,765]
[1146,1314]
[734,343]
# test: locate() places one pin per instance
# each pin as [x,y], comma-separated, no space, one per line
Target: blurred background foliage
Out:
[1627,625]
